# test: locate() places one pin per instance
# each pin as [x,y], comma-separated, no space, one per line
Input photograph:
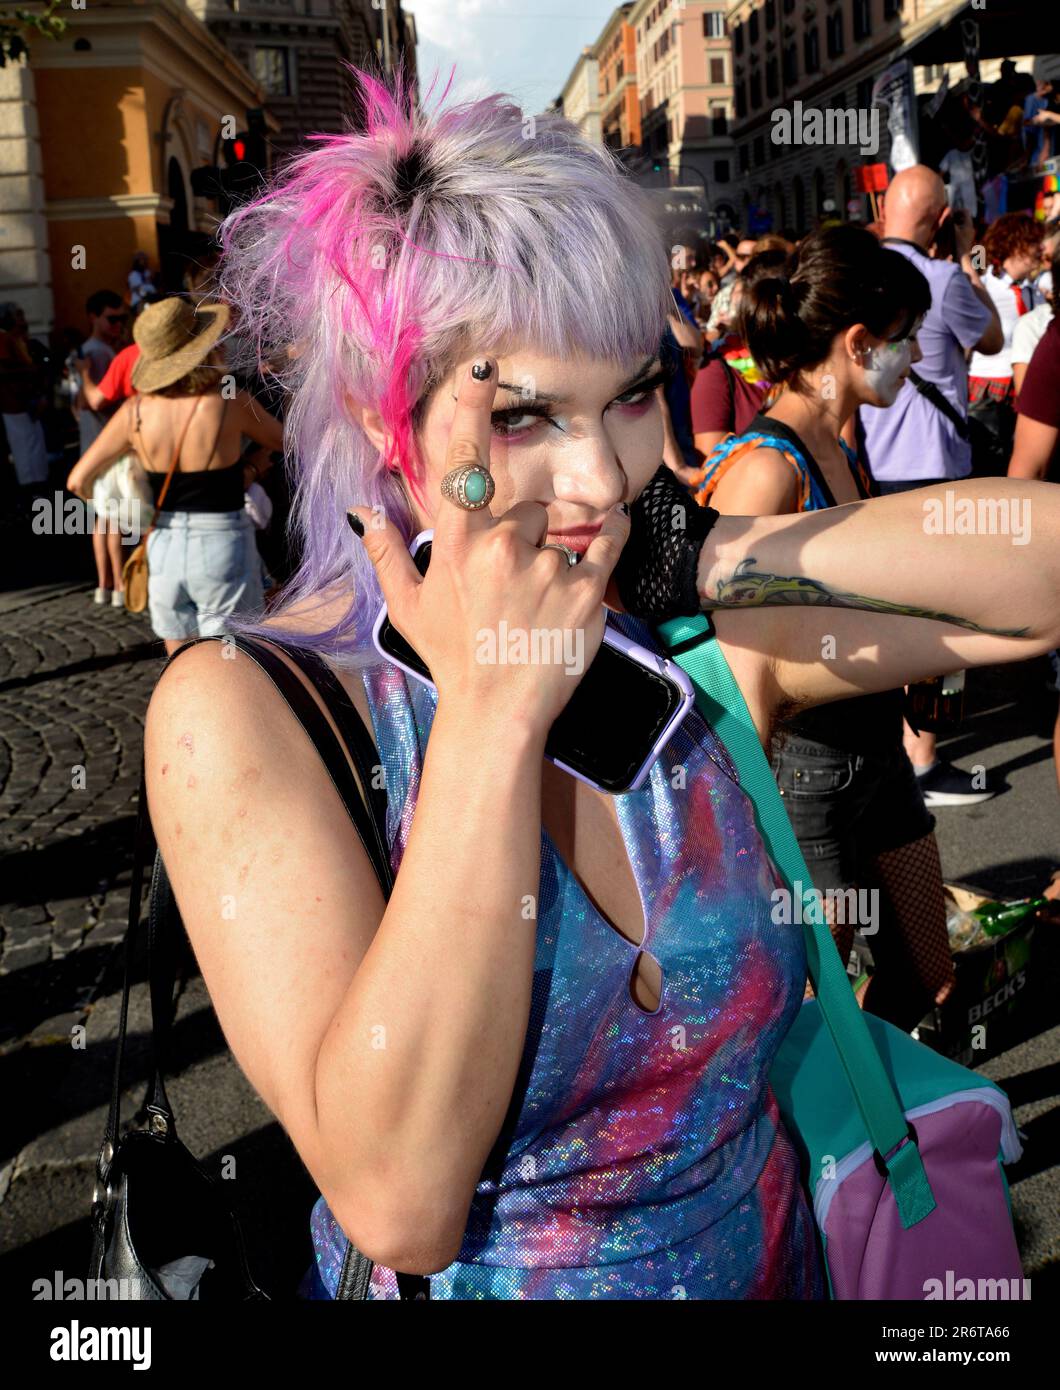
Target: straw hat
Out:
[174,336]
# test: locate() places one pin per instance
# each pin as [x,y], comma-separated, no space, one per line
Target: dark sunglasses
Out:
[116,318]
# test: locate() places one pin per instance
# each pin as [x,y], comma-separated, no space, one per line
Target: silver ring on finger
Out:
[471,487]
[572,555]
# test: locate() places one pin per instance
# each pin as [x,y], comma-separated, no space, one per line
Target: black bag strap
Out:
[931,392]
[368,815]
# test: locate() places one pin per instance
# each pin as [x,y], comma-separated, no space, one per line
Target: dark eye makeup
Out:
[502,419]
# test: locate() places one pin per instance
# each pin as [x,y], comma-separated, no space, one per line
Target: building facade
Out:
[104,127]
[616,52]
[684,74]
[579,100]
[295,50]
[799,56]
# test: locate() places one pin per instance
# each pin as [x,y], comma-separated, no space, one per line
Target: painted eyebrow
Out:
[546,398]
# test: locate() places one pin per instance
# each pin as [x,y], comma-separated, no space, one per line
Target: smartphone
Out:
[624,709]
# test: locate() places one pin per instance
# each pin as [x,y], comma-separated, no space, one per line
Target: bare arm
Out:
[671,454]
[1034,448]
[709,440]
[113,440]
[899,600]
[386,1041]
[256,422]
[92,396]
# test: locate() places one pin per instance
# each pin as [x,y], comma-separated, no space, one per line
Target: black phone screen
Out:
[610,724]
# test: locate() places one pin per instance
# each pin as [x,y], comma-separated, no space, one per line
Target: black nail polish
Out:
[356,524]
[481,371]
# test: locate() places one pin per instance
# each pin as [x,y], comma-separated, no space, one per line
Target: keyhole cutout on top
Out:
[646,983]
[585,831]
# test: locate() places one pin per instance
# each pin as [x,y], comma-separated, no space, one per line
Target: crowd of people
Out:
[147,342]
[968,384]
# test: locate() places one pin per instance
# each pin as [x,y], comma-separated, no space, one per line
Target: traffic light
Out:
[245,160]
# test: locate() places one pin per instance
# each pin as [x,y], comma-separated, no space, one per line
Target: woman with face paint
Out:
[839,331]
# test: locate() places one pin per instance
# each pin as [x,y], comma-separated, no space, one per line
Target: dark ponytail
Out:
[775,333]
[835,279]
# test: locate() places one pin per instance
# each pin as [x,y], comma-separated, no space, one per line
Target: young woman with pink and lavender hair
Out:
[540,1070]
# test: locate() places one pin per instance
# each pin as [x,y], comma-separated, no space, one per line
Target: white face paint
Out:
[884,367]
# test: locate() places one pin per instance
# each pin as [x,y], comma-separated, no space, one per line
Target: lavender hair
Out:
[379,256]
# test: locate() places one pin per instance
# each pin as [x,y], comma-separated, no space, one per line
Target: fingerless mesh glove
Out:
[656,573]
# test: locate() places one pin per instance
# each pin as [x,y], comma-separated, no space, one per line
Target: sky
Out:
[526,48]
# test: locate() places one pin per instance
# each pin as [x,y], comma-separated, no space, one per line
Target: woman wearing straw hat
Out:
[202,559]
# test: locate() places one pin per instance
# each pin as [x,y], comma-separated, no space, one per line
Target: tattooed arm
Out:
[870,595]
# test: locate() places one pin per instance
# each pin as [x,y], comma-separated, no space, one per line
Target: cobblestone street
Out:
[74,682]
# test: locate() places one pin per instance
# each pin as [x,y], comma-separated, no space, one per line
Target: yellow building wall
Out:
[96,143]
[94,136]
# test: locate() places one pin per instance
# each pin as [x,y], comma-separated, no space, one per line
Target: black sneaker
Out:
[946,785]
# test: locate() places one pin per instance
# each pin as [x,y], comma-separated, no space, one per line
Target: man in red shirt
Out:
[115,384]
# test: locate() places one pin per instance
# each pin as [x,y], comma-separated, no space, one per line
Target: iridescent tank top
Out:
[642,1155]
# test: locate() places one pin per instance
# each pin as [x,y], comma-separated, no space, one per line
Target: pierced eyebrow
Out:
[547,398]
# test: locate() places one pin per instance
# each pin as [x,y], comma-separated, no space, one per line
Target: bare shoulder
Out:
[279,899]
[761,481]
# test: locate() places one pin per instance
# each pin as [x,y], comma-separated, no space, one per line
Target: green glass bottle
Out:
[999,918]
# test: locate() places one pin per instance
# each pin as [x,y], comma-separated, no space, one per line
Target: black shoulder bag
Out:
[160,1221]
[988,428]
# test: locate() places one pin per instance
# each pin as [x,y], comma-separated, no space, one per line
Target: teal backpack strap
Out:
[692,644]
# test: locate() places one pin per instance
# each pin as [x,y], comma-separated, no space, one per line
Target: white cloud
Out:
[524,47]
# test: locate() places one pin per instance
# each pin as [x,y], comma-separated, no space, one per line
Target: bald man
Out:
[916,441]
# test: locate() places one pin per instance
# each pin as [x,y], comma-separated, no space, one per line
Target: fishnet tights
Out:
[913,965]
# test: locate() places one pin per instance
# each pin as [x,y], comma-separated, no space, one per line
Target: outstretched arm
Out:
[112,441]
[870,595]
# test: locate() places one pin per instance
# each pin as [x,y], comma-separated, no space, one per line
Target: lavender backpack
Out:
[907,1183]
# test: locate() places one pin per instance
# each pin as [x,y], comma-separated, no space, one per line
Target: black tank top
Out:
[205,489]
[864,723]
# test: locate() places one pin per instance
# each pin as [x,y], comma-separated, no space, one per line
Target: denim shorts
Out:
[846,808]
[202,568]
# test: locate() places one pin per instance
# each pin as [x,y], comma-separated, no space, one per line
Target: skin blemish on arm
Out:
[165,768]
[185,742]
[191,782]
[247,778]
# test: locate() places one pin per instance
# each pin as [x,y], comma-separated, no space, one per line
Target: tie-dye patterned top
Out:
[642,1155]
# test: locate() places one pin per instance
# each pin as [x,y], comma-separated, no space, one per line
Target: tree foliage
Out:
[18,26]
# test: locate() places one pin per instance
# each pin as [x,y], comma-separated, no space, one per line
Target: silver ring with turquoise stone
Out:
[471,487]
